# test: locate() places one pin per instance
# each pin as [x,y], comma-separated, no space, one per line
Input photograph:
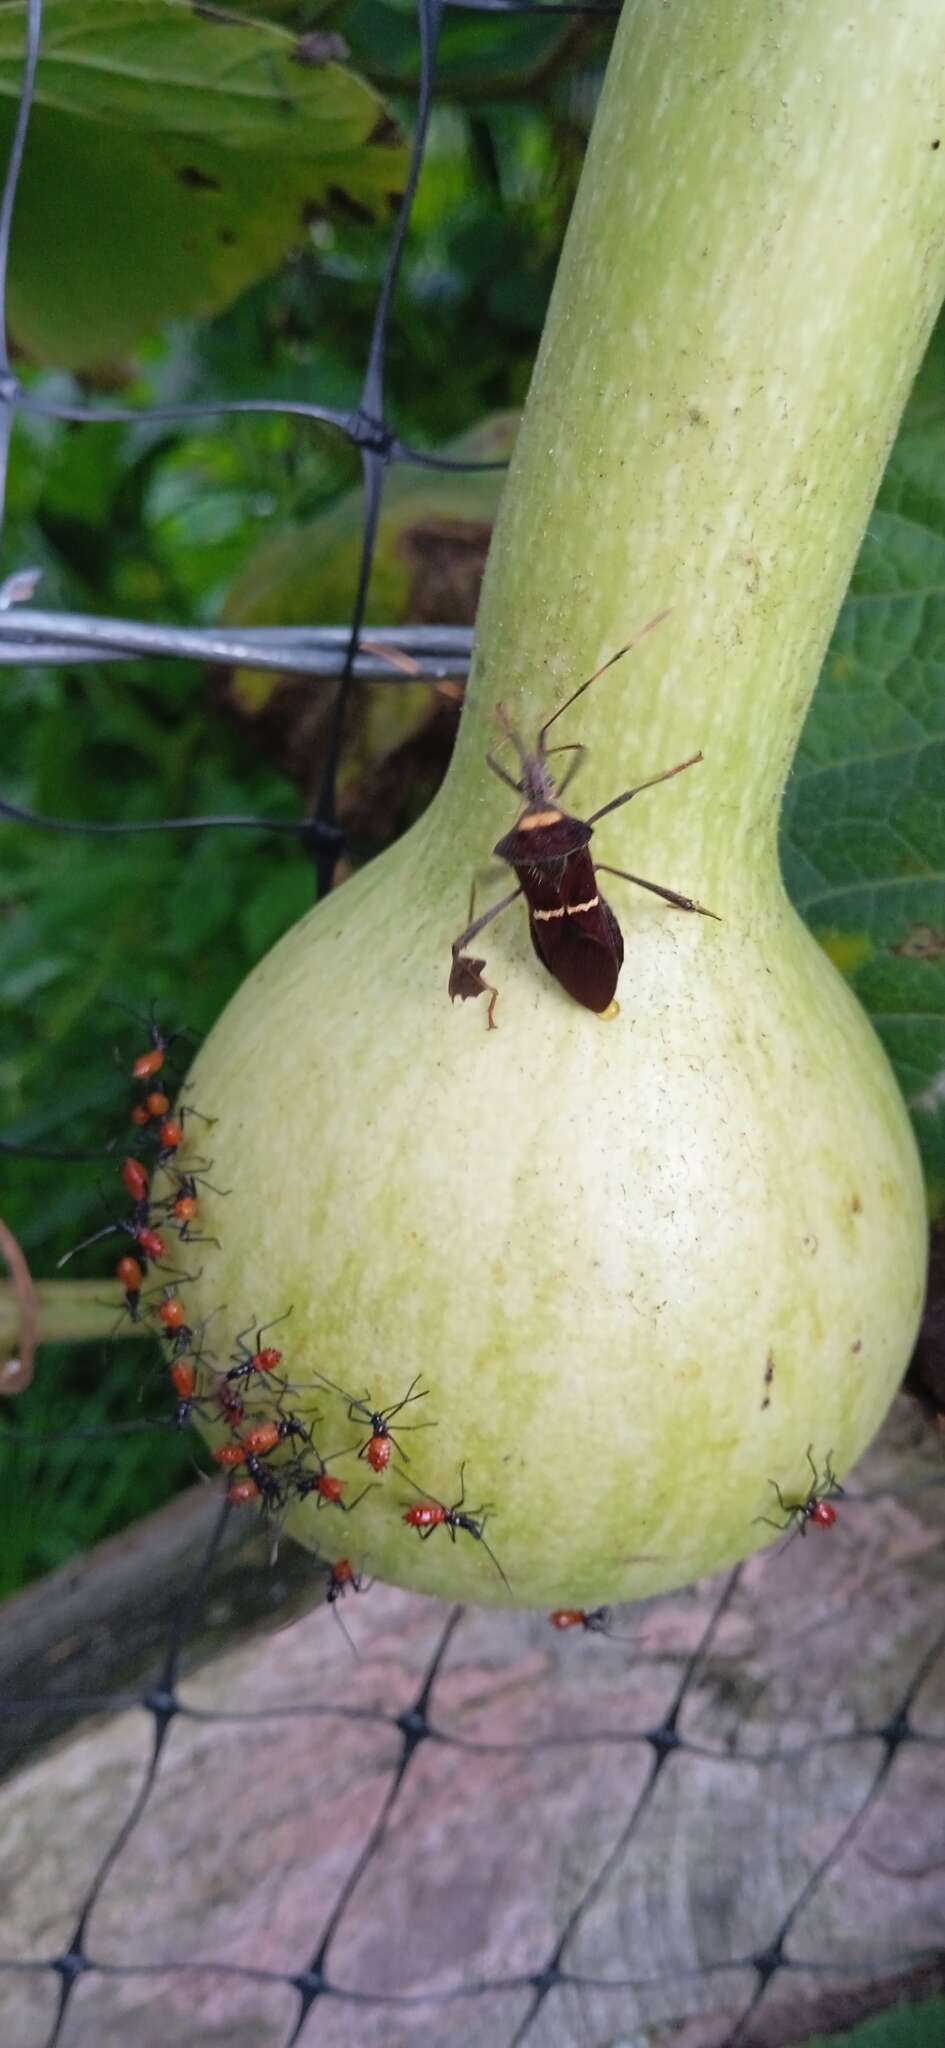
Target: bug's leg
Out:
[509,734]
[650,783]
[466,976]
[276,1320]
[575,747]
[497,769]
[656,889]
[336,1611]
[350,1505]
[413,1425]
[462,1484]
[333,1384]
[479,923]
[409,1396]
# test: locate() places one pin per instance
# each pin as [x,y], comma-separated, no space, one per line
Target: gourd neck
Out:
[753,265]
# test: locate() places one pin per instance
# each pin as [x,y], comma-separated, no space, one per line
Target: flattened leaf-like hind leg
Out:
[466,976]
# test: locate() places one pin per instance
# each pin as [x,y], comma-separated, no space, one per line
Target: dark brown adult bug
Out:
[574,930]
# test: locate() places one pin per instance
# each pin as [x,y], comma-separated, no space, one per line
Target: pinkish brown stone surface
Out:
[275,1779]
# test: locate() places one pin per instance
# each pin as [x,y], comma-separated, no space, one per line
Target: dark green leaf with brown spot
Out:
[175,154]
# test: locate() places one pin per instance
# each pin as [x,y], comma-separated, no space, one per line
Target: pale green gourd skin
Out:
[595,1240]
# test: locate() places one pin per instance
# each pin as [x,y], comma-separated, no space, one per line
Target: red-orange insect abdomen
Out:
[267,1359]
[429,1516]
[151,1244]
[135,1178]
[262,1438]
[148,1064]
[229,1455]
[242,1492]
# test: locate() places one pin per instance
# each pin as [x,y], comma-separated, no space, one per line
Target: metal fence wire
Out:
[541,2002]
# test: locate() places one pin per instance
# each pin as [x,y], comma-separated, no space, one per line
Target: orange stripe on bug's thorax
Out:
[534,820]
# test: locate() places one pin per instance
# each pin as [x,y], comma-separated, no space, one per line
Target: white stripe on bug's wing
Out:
[566,910]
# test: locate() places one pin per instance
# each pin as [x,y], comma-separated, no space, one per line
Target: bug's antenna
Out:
[508,732]
[579,692]
[491,1553]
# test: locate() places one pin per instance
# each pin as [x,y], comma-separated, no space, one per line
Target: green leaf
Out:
[477,55]
[173,157]
[904,2026]
[864,820]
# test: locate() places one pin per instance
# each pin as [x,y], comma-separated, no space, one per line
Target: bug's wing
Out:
[584,952]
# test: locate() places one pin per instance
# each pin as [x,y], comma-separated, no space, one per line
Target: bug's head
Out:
[535,780]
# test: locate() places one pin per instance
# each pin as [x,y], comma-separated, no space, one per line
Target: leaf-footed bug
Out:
[573,928]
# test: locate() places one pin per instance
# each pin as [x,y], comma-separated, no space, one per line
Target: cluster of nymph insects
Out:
[264,1427]
[242,1387]
[279,1460]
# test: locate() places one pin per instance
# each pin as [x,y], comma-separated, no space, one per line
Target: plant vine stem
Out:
[70,1312]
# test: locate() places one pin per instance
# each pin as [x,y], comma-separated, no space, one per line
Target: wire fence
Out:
[645,1750]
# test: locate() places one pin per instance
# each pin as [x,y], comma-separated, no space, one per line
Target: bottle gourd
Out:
[641,1262]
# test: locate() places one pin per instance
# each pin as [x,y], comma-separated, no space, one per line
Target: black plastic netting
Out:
[719,1822]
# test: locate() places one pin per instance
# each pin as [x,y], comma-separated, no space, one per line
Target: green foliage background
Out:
[258,519]
[903,2026]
